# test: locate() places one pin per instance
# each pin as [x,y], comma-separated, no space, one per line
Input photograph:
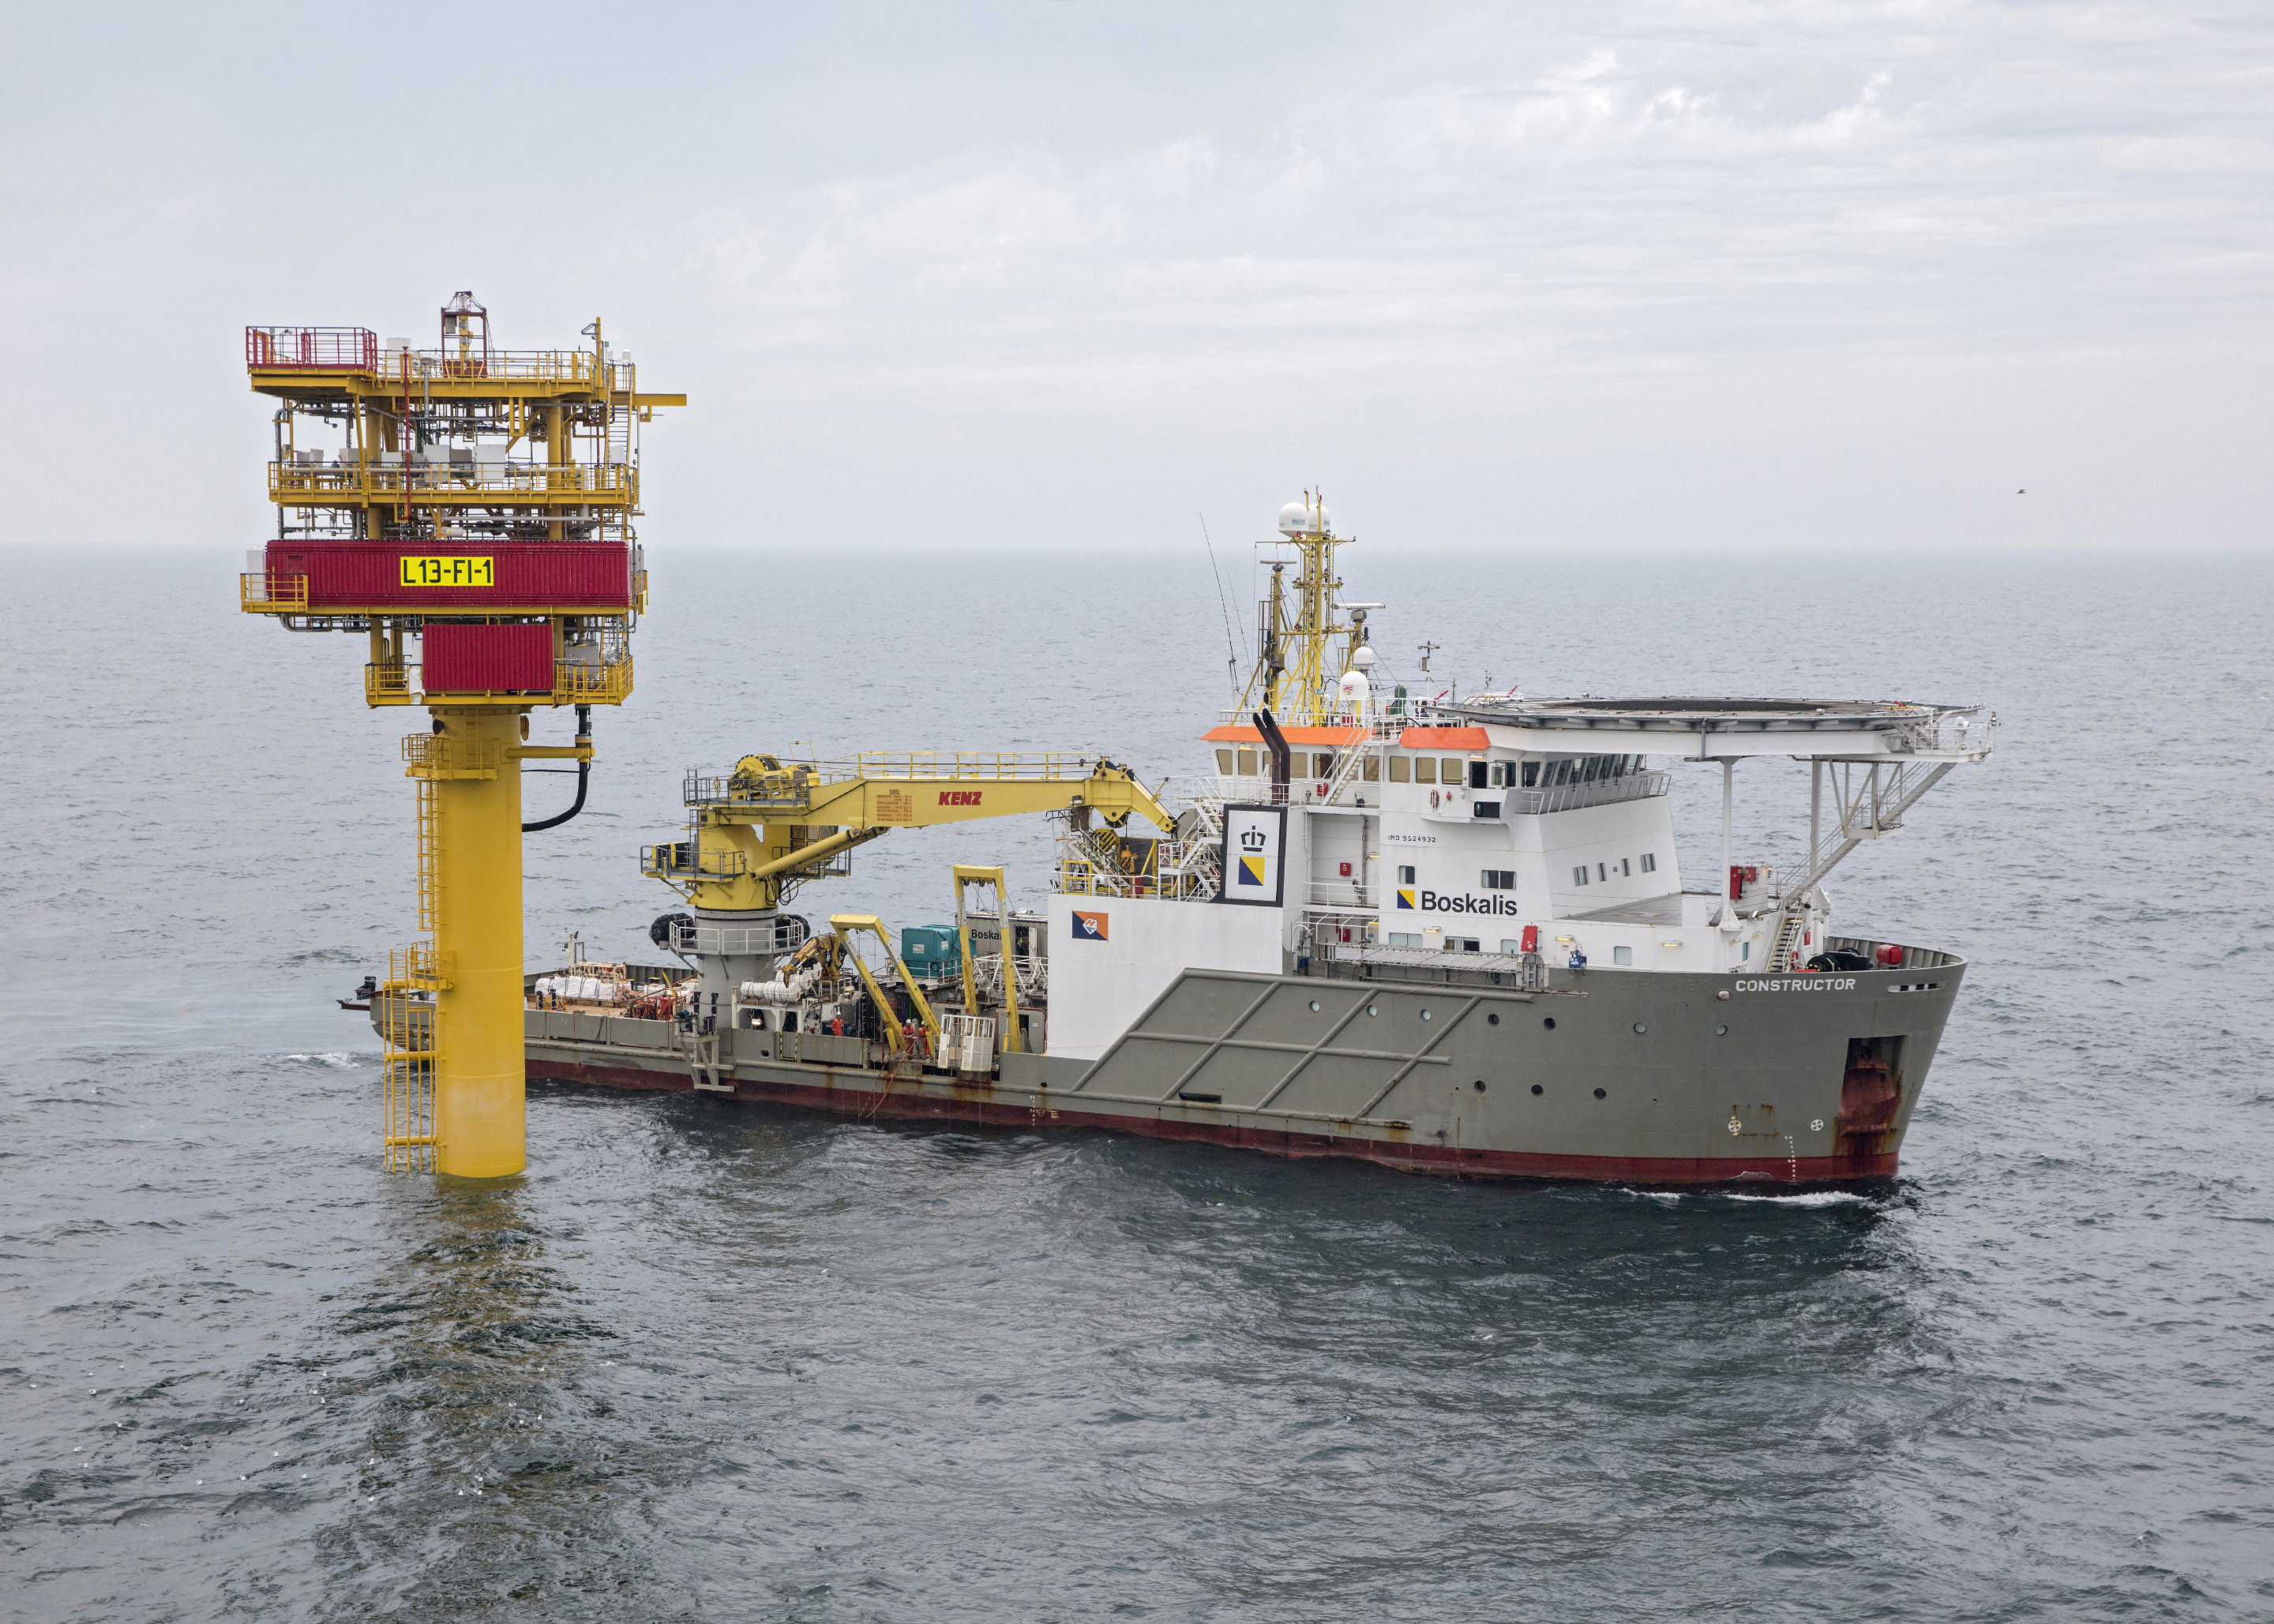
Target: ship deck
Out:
[1667,910]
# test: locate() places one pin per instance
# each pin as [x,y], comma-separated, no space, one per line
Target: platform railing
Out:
[377,477]
[584,682]
[312,350]
[507,365]
[272,591]
[1966,737]
[389,682]
[680,859]
[784,935]
[440,755]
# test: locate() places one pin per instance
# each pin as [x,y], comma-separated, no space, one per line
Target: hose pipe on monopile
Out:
[584,776]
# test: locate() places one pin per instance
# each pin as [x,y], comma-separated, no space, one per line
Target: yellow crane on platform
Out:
[474,521]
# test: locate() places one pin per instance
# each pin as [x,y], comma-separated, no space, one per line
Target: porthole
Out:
[1425,1014]
[1314,1006]
[1536,1089]
[1601,1094]
[1371,1010]
[1640,1027]
[1549,1023]
[1492,1020]
[1720,1031]
[1481,1085]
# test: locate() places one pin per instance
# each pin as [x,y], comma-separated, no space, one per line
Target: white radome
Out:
[1355,686]
[1303,519]
[1362,657]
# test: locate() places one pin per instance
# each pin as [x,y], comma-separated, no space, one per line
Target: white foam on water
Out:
[1667,1196]
[339,1058]
[1814,1198]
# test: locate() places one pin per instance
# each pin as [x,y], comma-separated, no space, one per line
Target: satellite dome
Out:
[1355,686]
[1303,518]
[1362,657]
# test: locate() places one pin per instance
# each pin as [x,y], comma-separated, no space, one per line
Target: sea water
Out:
[736,1361]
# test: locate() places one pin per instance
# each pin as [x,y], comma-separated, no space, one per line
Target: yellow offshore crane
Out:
[756,834]
[474,520]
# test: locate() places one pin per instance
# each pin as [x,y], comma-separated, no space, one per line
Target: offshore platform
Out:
[471,513]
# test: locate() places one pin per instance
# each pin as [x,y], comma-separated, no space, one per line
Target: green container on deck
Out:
[930,950]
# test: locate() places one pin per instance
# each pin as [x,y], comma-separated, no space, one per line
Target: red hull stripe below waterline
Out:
[970,1111]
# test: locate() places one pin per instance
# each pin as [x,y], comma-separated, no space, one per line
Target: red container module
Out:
[487,659]
[410,576]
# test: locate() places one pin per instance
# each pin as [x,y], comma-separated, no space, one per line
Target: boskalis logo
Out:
[1089,926]
[1252,862]
[1445,902]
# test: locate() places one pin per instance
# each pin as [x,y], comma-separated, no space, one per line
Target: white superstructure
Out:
[1341,824]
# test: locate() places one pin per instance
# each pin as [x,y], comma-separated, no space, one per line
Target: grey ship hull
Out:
[1655,1079]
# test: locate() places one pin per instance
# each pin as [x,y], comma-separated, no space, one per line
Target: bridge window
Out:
[1401,768]
[1370,769]
[1223,763]
[1532,775]
[1247,763]
[1425,769]
[1323,765]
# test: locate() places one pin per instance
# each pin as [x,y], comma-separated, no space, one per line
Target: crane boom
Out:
[767,824]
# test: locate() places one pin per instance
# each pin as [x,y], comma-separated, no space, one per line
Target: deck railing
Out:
[1516,971]
[364,479]
[272,591]
[680,859]
[783,935]
[312,350]
[584,682]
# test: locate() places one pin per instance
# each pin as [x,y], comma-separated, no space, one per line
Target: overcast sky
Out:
[1552,275]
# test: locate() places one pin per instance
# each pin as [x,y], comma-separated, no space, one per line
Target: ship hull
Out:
[1654,1079]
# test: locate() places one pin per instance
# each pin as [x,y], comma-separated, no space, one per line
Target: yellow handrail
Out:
[431,483]
[272,592]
